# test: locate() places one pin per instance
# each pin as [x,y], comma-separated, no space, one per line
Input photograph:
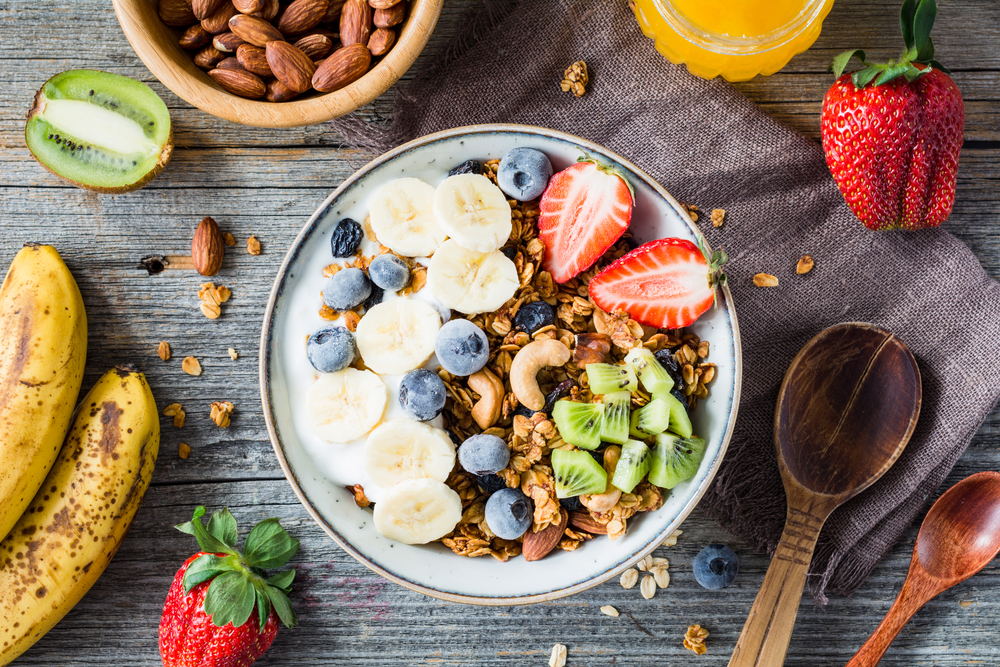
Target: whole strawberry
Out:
[892,131]
[221,611]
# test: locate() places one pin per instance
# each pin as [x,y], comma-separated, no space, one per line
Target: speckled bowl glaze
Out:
[433,569]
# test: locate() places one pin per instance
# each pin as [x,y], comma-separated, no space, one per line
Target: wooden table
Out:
[267,182]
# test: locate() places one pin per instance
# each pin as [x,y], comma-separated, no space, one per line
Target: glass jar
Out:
[735,39]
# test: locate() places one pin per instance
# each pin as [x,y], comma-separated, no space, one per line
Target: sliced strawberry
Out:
[584,210]
[666,284]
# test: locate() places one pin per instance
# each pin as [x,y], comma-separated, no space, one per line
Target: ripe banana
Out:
[473,212]
[43,348]
[398,335]
[405,449]
[345,405]
[75,524]
[418,511]
[471,282]
[402,216]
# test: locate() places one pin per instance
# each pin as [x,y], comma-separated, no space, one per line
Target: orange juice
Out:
[737,39]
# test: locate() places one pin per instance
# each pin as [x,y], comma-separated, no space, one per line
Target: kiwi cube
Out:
[634,464]
[675,459]
[680,421]
[653,376]
[634,429]
[654,417]
[579,423]
[614,427]
[606,378]
[576,473]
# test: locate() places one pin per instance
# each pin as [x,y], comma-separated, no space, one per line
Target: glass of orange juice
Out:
[737,39]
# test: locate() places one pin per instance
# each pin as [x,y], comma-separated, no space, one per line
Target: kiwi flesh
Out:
[654,417]
[653,376]
[606,378]
[576,473]
[579,423]
[614,426]
[680,421]
[675,459]
[99,131]
[633,465]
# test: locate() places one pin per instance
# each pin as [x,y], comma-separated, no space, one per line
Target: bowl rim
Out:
[264,358]
[201,92]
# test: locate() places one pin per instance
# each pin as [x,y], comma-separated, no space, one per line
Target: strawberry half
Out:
[583,211]
[666,284]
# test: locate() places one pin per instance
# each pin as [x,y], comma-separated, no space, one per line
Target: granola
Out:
[695,638]
[221,410]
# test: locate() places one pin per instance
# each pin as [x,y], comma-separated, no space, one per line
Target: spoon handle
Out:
[768,629]
[914,595]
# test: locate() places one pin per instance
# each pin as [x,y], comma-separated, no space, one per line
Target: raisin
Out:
[375,298]
[346,239]
[468,167]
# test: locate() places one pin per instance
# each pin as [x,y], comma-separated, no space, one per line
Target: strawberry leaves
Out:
[611,169]
[238,582]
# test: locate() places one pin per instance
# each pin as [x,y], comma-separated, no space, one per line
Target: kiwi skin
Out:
[165,154]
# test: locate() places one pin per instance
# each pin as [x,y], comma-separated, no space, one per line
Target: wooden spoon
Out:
[959,537]
[846,410]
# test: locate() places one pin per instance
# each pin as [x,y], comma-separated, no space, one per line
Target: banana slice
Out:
[471,282]
[402,216]
[345,405]
[397,335]
[473,211]
[418,511]
[405,449]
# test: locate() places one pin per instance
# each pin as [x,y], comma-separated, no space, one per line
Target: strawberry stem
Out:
[715,260]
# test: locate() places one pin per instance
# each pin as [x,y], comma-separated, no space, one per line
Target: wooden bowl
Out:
[156,45]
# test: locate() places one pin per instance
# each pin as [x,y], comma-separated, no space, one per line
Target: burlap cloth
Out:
[708,145]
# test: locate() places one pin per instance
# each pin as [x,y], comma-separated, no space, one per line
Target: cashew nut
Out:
[527,362]
[486,411]
[603,502]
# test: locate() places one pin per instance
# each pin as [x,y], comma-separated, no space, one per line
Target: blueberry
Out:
[524,173]
[533,316]
[482,454]
[389,272]
[422,394]
[375,298]
[331,350]
[667,360]
[346,289]
[491,483]
[571,504]
[716,566]
[462,347]
[347,237]
[468,167]
[509,513]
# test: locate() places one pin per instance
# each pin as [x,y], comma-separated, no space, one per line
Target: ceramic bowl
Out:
[433,569]
[156,45]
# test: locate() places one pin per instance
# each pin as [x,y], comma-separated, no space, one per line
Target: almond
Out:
[239,82]
[207,248]
[227,42]
[302,15]
[176,13]
[278,92]
[381,41]
[333,10]
[219,21]
[344,66]
[208,57]
[316,47]
[254,59]
[248,6]
[202,9]
[256,31]
[290,65]
[334,36]
[538,545]
[195,37]
[581,519]
[591,348]
[230,63]
[388,18]
[270,10]
[355,22]
[383,4]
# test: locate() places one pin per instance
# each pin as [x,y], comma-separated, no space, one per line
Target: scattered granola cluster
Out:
[212,298]
[695,638]
[575,79]
[220,412]
[177,412]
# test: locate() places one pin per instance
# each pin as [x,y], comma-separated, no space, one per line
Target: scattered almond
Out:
[191,366]
[253,245]
[805,265]
[233,355]
[765,280]
[183,451]
[608,610]
[163,350]
[220,413]
[207,247]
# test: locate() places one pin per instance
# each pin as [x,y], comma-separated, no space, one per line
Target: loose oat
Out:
[211,310]
[644,564]
[360,499]
[661,576]
[718,217]
[575,79]
[648,587]
[253,245]
[351,320]
[629,578]
[163,350]
[183,451]
[671,540]
[211,299]
[765,280]
[177,412]
[695,638]
[228,239]
[608,610]
[805,265]
[558,656]
[233,354]
[220,413]
[191,366]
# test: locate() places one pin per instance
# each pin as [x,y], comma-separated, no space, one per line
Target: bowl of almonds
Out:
[270,63]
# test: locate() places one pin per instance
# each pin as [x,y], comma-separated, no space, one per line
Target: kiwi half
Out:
[675,460]
[633,465]
[577,472]
[99,131]
[579,423]
[614,426]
